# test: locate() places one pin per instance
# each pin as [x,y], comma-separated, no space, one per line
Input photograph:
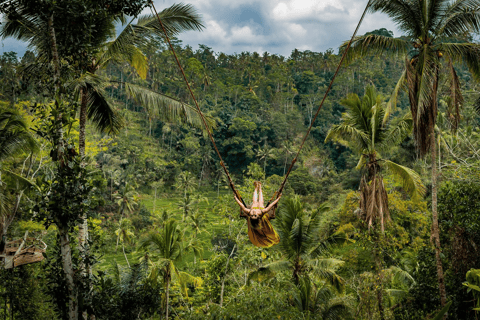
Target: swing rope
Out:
[230,182]
[232,186]
[275,195]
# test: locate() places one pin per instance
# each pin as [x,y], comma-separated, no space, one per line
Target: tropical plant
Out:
[319,301]
[436,35]
[126,200]
[125,235]
[98,49]
[167,249]
[366,130]
[301,247]
[15,137]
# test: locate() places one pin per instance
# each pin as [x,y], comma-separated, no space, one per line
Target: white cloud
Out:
[276,26]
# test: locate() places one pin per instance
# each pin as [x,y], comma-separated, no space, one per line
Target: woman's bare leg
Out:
[260,195]
[255,202]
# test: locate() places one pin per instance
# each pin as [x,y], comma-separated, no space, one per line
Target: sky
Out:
[275,26]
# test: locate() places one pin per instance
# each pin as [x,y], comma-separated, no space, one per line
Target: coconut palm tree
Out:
[168,249]
[368,133]
[436,35]
[14,135]
[311,299]
[15,139]
[105,47]
[125,234]
[301,247]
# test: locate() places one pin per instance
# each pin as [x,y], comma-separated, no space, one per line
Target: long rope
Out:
[321,104]
[311,123]
[198,107]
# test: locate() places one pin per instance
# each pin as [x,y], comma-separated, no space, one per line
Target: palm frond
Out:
[100,111]
[124,48]
[411,181]
[349,136]
[166,108]
[397,132]
[18,180]
[14,135]
[374,45]
[269,271]
[406,14]
[464,52]
[326,270]
[401,277]
[392,103]
[455,100]
[461,17]
[176,18]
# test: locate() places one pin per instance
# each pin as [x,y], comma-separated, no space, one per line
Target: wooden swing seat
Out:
[31,251]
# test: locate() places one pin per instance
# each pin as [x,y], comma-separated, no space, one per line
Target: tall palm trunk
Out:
[83,227]
[124,254]
[65,248]
[69,275]
[435,226]
[167,295]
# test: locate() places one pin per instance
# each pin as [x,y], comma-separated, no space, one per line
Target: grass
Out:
[170,203]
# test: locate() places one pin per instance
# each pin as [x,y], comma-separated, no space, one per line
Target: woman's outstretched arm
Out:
[244,209]
[271,205]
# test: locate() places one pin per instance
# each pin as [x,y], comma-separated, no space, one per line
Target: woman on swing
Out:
[260,230]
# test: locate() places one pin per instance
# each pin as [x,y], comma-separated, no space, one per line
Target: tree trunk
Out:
[155,200]
[435,226]
[66,252]
[378,262]
[123,248]
[167,297]
[225,275]
[83,227]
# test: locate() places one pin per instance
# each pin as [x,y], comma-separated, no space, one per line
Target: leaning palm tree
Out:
[15,139]
[125,235]
[14,135]
[368,133]
[436,36]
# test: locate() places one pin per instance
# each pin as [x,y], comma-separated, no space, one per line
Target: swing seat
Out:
[32,253]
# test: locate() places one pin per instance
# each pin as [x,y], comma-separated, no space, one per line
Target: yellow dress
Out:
[262,234]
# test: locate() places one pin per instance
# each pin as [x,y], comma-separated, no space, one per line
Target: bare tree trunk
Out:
[66,252]
[435,226]
[123,248]
[155,200]
[167,297]
[225,275]
[378,262]
[83,227]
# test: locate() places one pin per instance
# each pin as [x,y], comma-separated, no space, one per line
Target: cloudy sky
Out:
[276,26]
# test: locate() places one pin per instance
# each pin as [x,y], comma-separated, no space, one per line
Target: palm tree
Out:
[436,34]
[169,249]
[94,104]
[126,203]
[14,135]
[366,130]
[301,247]
[14,140]
[264,153]
[124,234]
[185,182]
[319,300]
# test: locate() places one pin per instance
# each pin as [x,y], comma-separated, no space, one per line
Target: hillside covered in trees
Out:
[114,203]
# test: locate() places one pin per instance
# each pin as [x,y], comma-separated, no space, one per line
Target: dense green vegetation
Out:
[103,159]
